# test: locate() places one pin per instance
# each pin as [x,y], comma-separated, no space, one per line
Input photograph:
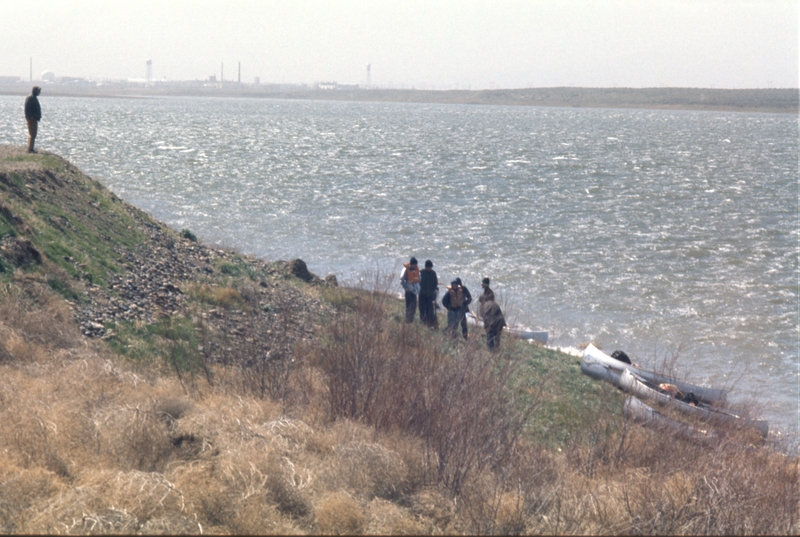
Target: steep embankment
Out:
[115,265]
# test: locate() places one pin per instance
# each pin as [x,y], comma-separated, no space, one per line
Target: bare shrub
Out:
[404,378]
[356,362]
[593,444]
[430,503]
[339,514]
[267,373]
[513,499]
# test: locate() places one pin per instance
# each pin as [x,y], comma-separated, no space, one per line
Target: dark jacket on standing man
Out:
[32,108]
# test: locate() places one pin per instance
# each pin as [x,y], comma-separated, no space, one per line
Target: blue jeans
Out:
[454,318]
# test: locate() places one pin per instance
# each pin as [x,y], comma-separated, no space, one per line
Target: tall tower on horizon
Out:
[149,71]
[369,75]
[240,73]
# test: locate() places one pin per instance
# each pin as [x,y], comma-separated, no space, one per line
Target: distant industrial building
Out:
[336,86]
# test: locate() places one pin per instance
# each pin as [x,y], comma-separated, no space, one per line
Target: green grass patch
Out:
[172,340]
[230,269]
[339,298]
[186,234]
[567,398]
[63,289]
[48,161]
[225,297]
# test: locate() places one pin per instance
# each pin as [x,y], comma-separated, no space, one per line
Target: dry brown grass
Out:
[94,445]
[339,514]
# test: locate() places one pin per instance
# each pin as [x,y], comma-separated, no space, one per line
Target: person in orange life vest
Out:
[428,290]
[409,281]
[456,301]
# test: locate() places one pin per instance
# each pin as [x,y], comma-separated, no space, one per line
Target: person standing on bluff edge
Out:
[33,114]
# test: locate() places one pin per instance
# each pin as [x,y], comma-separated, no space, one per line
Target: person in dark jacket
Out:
[493,322]
[456,301]
[33,114]
[464,306]
[428,291]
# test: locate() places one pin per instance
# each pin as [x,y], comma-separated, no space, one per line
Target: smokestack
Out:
[240,72]
[221,71]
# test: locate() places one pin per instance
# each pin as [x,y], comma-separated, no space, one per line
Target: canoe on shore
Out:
[705,413]
[637,411]
[530,335]
[539,336]
[601,366]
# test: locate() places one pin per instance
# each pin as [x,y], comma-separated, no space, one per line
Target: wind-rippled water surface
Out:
[654,232]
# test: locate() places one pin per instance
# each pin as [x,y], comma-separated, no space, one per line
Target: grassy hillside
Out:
[152,384]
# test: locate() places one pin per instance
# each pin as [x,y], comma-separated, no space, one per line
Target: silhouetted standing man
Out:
[428,290]
[33,114]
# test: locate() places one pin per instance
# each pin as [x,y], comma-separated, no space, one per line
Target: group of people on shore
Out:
[421,288]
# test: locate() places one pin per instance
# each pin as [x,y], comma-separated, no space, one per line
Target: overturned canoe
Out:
[539,336]
[637,411]
[630,384]
[601,366]
[531,335]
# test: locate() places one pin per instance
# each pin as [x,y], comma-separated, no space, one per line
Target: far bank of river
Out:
[785,101]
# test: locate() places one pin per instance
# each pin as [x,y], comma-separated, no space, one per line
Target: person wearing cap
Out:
[428,292]
[409,281]
[33,114]
[456,301]
[488,294]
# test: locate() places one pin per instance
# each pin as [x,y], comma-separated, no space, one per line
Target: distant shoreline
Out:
[786,101]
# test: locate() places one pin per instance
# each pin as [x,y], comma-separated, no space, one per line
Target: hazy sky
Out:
[411,43]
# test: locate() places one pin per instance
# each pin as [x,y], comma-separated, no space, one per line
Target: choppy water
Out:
[654,232]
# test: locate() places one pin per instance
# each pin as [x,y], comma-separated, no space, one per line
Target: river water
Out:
[660,233]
